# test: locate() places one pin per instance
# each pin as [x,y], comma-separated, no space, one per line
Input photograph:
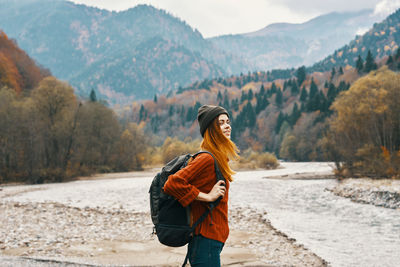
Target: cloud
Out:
[217,17]
[386,7]
[361,31]
[326,6]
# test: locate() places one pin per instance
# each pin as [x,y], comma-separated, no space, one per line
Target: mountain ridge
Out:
[78,43]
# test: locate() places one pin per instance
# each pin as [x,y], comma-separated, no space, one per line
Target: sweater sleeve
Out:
[180,185]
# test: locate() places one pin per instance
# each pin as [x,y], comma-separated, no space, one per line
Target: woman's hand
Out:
[217,191]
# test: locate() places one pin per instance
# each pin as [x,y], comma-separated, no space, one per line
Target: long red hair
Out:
[221,147]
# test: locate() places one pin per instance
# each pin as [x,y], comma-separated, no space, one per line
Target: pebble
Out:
[379,192]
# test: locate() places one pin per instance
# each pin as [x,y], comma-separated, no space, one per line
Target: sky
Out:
[220,17]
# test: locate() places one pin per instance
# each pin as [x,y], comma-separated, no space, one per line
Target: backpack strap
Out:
[217,170]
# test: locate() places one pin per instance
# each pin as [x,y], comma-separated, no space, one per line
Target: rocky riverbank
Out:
[378,192]
[106,222]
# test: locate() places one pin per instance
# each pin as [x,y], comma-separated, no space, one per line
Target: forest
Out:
[349,115]
[292,118]
[48,134]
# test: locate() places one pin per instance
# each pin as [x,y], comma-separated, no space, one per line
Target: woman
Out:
[196,185]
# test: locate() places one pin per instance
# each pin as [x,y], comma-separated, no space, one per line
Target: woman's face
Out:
[225,125]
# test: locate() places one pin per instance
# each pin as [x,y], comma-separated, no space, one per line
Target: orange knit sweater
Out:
[185,185]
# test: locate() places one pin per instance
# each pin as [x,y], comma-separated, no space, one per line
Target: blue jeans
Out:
[204,252]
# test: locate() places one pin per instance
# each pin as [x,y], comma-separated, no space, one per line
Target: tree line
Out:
[293,118]
[49,135]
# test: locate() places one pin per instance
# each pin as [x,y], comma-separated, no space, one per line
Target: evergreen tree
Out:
[250,95]
[313,89]
[294,90]
[389,61]
[171,111]
[331,92]
[219,96]
[301,75]
[235,104]
[262,90]
[279,98]
[314,102]
[370,63]
[341,70]
[226,103]
[251,115]
[262,103]
[303,94]
[273,88]
[359,64]
[142,113]
[397,56]
[279,122]
[155,99]
[243,97]
[196,108]
[93,97]
[285,85]
[343,86]
[323,102]
[296,113]
[333,73]
[302,107]
[191,113]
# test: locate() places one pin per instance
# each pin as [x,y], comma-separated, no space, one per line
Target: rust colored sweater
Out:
[185,185]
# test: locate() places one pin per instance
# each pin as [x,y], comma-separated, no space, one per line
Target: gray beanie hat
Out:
[207,114]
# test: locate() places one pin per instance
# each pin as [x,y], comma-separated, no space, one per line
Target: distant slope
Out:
[83,44]
[383,39]
[285,45]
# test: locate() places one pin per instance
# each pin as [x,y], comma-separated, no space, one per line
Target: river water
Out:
[342,232]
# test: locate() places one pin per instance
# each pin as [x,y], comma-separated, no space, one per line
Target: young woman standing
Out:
[196,185]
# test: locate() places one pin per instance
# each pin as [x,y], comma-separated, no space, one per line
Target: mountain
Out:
[281,111]
[383,39]
[114,52]
[143,51]
[285,45]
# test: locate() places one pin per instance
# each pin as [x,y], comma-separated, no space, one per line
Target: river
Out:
[340,231]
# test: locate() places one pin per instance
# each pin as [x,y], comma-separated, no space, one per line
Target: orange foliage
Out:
[17,69]
[9,75]
[385,153]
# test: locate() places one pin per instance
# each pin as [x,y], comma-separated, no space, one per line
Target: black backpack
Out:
[171,220]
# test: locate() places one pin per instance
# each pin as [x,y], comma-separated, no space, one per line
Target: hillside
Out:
[280,111]
[383,39]
[284,45]
[17,70]
[112,52]
[83,44]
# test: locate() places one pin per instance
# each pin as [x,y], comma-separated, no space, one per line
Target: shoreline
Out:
[253,241]
[378,192]
[60,232]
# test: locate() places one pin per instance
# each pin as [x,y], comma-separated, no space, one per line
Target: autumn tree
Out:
[130,149]
[97,133]
[366,124]
[55,104]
